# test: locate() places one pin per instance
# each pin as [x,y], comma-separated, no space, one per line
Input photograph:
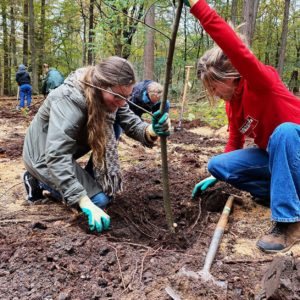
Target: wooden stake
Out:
[187,76]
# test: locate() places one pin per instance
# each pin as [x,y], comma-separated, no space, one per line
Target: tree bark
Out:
[91,33]
[13,35]
[25,33]
[283,38]
[41,42]
[6,83]
[250,9]
[34,77]
[84,45]
[234,10]
[1,77]
[149,45]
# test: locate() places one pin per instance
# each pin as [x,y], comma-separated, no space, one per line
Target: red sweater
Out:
[261,101]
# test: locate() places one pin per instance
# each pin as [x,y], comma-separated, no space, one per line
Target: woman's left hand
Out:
[161,124]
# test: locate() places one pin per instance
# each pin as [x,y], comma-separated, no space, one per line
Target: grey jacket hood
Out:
[21,68]
[73,88]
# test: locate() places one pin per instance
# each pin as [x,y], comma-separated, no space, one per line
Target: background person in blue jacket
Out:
[24,82]
[147,94]
[53,79]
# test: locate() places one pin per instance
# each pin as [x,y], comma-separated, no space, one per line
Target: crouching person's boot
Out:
[280,238]
[34,192]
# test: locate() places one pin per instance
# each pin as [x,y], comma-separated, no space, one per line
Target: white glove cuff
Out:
[150,134]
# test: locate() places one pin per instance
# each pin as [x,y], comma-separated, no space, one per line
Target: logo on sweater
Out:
[248,126]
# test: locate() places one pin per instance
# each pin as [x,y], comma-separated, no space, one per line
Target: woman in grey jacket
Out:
[78,117]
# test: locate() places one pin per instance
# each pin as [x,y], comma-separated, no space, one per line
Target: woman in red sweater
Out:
[258,106]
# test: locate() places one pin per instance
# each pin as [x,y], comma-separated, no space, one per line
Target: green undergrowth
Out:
[212,116]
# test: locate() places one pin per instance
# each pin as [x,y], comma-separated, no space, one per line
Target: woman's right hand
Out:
[97,219]
[203,185]
[190,3]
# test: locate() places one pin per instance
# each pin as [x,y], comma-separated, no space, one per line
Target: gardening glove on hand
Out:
[203,185]
[98,220]
[187,3]
[161,124]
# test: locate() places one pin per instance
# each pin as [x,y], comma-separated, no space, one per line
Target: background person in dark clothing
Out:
[24,82]
[147,94]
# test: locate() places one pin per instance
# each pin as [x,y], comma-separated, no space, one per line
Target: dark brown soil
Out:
[46,251]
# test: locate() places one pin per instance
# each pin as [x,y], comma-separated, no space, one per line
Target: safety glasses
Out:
[117,96]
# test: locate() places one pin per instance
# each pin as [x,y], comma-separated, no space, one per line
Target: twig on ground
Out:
[180,252]
[254,261]
[132,278]
[52,219]
[135,225]
[131,244]
[119,265]
[247,261]
[153,224]
[198,217]
[5,192]
[143,259]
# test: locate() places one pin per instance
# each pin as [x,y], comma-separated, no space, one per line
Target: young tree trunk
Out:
[91,33]
[25,33]
[6,83]
[34,77]
[283,38]
[149,45]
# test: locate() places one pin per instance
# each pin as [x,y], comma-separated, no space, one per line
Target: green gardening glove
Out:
[98,220]
[161,124]
[187,3]
[203,185]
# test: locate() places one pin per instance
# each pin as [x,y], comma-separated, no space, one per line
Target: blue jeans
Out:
[273,173]
[25,91]
[118,130]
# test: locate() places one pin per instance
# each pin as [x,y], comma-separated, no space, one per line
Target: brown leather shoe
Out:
[280,238]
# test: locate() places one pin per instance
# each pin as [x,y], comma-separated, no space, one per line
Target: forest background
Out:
[68,34]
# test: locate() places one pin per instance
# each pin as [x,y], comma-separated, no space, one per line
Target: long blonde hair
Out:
[214,66]
[110,72]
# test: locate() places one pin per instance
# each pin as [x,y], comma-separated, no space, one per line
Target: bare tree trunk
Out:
[250,9]
[294,82]
[1,79]
[91,33]
[32,48]
[41,42]
[6,83]
[283,37]
[149,45]
[84,45]
[13,35]
[25,33]
[234,10]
